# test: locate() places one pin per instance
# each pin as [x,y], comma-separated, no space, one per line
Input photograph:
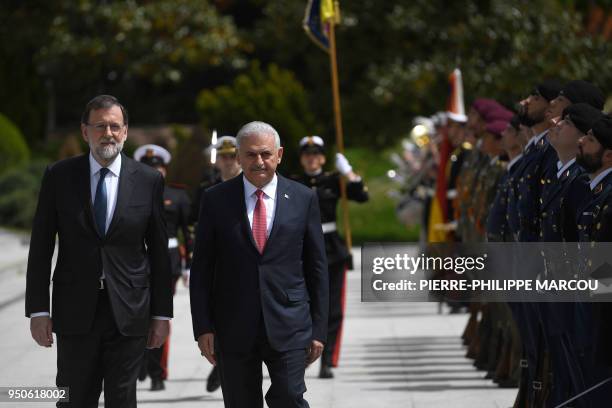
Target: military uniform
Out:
[225,145]
[594,331]
[498,229]
[525,193]
[177,208]
[467,183]
[327,187]
[560,203]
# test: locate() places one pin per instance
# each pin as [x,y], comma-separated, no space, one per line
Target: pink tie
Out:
[259,222]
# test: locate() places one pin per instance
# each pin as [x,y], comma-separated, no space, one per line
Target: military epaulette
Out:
[180,186]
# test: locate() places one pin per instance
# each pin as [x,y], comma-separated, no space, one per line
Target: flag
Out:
[455,107]
[319,15]
[437,228]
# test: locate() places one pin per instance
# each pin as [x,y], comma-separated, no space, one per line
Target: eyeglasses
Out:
[101,127]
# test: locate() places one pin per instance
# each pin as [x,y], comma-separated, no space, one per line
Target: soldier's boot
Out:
[546,379]
[537,386]
[502,369]
[496,351]
[472,325]
[480,346]
[522,397]
[486,338]
[474,347]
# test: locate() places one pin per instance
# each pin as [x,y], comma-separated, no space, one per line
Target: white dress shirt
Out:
[599,177]
[269,197]
[562,167]
[535,139]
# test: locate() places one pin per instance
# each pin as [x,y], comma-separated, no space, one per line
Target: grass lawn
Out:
[375,220]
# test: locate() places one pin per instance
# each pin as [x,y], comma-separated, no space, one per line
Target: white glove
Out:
[342,164]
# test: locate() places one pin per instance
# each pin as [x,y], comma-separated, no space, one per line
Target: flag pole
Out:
[338,122]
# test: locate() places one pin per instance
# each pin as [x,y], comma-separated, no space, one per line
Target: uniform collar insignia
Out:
[598,189]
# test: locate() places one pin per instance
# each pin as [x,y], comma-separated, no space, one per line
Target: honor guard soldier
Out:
[513,143]
[176,210]
[564,193]
[568,187]
[507,369]
[327,186]
[538,156]
[227,167]
[574,92]
[595,225]
[553,319]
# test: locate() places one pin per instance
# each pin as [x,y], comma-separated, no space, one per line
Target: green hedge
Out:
[19,187]
[374,220]
[13,148]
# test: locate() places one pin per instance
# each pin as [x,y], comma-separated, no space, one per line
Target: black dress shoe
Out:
[157,384]
[214,381]
[326,372]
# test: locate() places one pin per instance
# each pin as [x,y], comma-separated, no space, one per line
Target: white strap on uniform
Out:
[328,227]
[172,243]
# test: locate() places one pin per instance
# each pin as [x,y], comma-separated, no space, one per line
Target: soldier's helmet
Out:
[312,145]
[226,145]
[153,155]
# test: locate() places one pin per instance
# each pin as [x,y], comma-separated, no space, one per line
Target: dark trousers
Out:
[331,352]
[155,361]
[241,376]
[84,361]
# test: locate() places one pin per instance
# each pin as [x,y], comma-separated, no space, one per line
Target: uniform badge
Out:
[598,189]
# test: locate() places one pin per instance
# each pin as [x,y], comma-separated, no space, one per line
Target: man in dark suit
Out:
[112,281]
[259,286]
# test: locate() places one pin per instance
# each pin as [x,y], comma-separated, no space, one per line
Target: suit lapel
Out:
[124,191]
[82,181]
[242,211]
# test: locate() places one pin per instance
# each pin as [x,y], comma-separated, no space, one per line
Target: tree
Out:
[13,148]
[154,55]
[395,57]
[271,95]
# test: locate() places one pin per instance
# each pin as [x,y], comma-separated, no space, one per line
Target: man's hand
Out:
[158,333]
[314,352]
[41,328]
[206,344]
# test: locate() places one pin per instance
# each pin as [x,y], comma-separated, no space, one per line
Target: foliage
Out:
[395,57]
[13,148]
[20,186]
[272,95]
[23,27]
[375,220]
[153,55]
[155,40]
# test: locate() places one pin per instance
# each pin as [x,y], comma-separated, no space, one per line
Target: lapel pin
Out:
[287,196]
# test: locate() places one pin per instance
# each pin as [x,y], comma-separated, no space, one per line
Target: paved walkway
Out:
[394,354]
